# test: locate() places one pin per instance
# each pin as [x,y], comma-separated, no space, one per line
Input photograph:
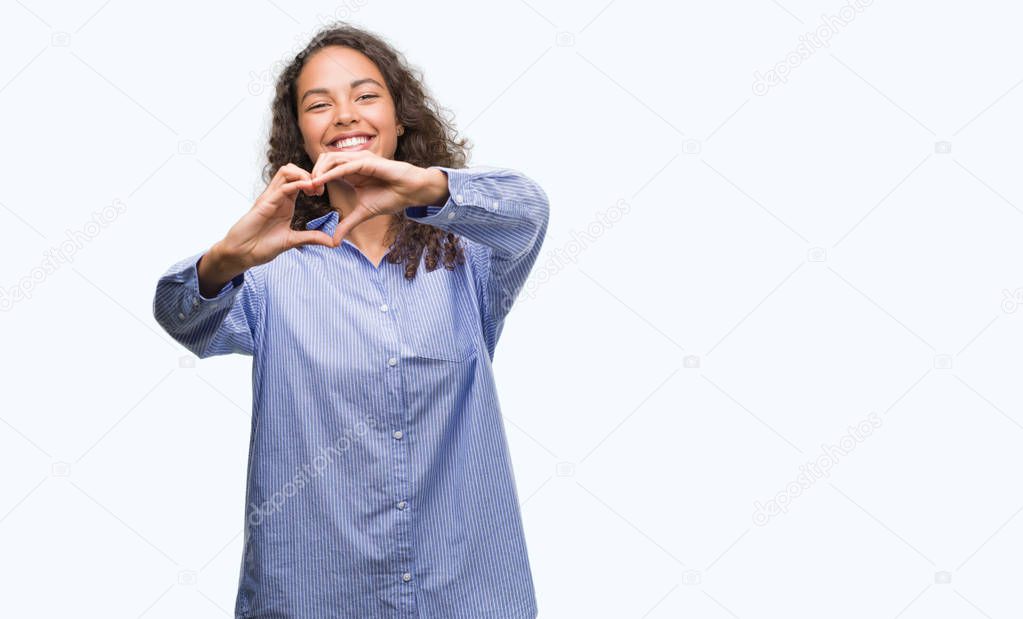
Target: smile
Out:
[360,142]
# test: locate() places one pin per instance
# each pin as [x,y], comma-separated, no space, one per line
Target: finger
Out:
[325,161]
[309,237]
[291,189]
[289,172]
[333,159]
[360,166]
[356,217]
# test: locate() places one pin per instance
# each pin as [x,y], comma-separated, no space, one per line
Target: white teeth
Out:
[351,142]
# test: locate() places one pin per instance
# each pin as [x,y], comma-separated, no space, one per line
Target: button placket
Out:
[389,316]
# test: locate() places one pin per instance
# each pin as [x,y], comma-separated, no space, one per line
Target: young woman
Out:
[379,482]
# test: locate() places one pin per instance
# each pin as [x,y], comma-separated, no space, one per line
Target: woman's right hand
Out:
[263,233]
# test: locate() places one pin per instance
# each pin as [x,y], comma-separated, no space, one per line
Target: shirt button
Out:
[392,362]
[398,434]
[195,302]
[383,308]
[181,316]
[458,197]
[402,504]
[451,215]
[406,576]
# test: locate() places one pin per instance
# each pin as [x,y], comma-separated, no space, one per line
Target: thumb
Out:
[348,222]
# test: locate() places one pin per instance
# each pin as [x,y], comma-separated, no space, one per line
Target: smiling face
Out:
[341,94]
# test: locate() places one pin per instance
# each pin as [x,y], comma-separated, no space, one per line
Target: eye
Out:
[368,95]
[317,105]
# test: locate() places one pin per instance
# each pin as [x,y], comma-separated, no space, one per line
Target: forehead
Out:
[335,67]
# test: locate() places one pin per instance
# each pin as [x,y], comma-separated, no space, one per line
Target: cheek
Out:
[306,132]
[309,124]
[309,139]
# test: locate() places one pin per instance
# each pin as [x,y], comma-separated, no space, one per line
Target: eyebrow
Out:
[353,85]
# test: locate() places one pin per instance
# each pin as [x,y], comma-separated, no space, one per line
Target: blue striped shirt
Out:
[379,482]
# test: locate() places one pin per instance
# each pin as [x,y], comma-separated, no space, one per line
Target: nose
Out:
[345,114]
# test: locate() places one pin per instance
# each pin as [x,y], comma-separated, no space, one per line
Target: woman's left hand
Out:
[382,186]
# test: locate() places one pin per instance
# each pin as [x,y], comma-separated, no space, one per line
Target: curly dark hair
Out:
[429,139]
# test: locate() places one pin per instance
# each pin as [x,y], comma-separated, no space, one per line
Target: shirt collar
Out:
[327,223]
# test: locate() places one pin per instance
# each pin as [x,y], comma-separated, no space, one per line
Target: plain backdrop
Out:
[766,365]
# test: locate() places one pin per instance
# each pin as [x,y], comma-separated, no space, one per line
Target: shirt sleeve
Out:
[505,214]
[220,325]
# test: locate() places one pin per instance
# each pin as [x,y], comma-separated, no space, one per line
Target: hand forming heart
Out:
[382,186]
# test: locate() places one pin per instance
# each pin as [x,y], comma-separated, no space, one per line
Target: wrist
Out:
[434,189]
[219,265]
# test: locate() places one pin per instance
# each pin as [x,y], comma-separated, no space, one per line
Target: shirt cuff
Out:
[459,193]
[178,297]
[193,281]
